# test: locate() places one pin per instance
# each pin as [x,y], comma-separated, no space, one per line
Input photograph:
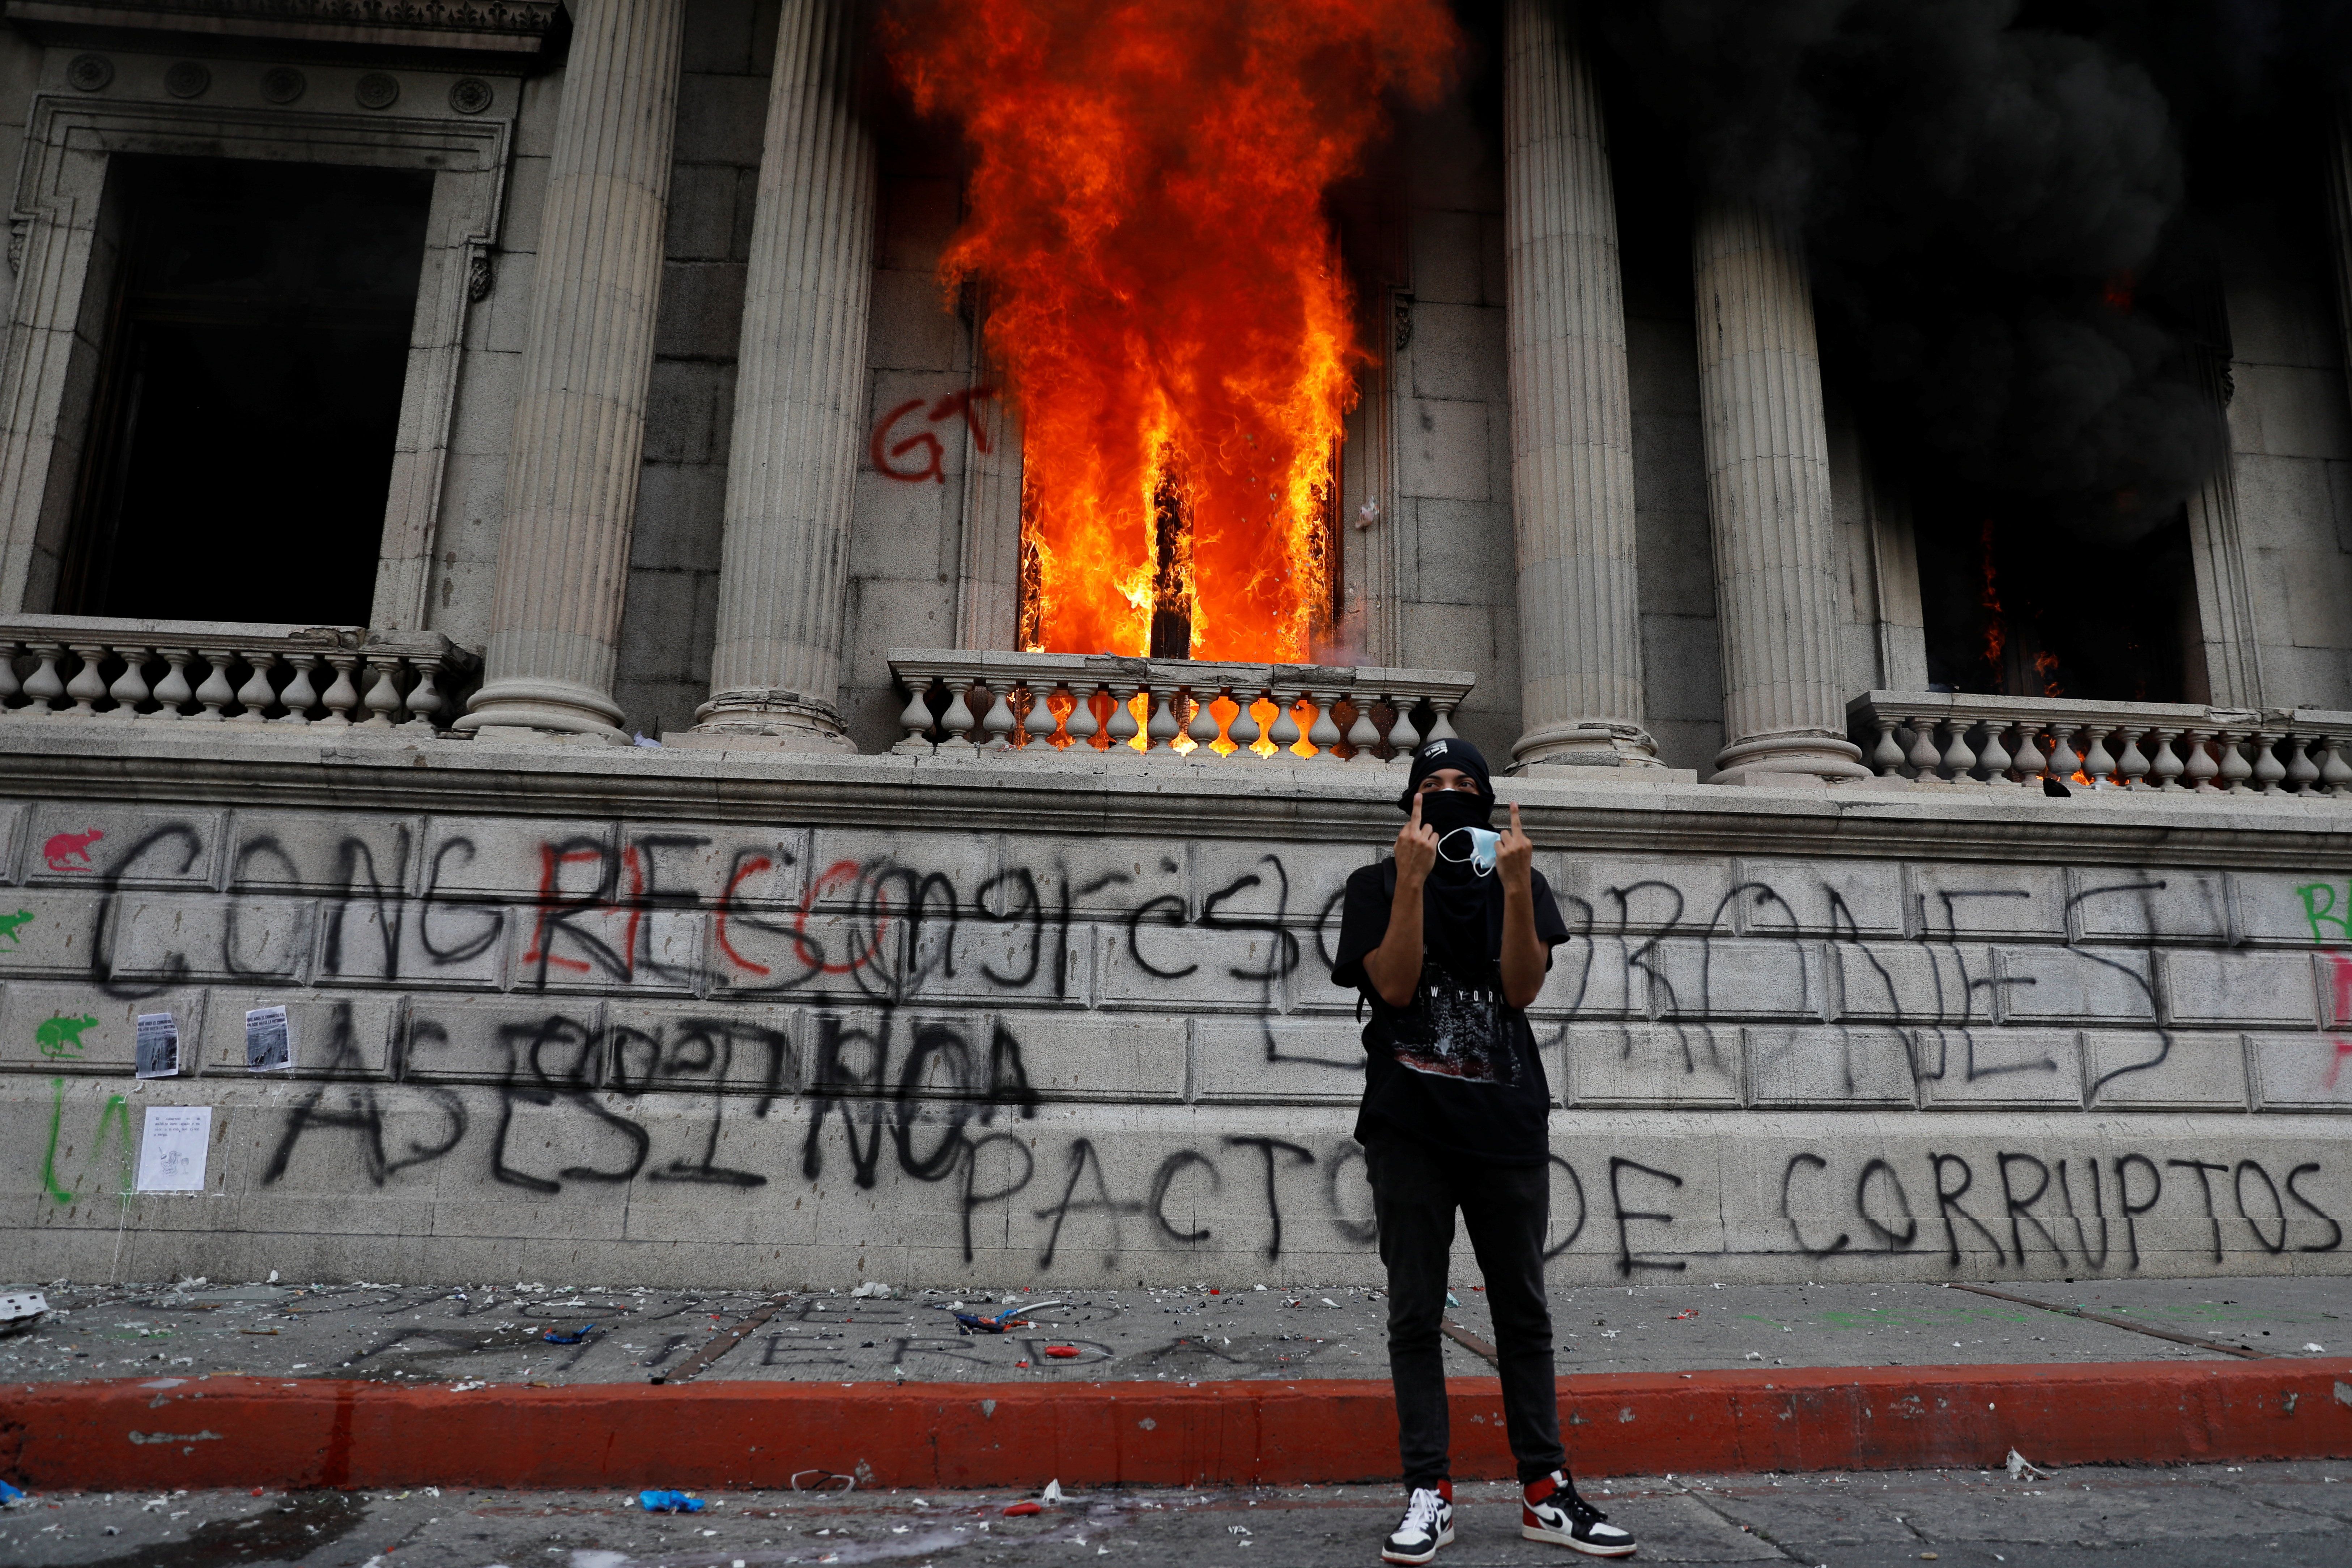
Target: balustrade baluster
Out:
[341,694]
[958,720]
[2335,773]
[1923,757]
[383,692]
[424,697]
[1038,723]
[998,720]
[1122,727]
[257,696]
[1403,739]
[2165,764]
[1323,735]
[1204,727]
[2031,764]
[1284,730]
[10,687]
[44,685]
[1363,735]
[2201,768]
[215,693]
[1995,758]
[2066,762]
[85,687]
[2268,768]
[2235,768]
[1441,726]
[1886,756]
[2302,772]
[2131,768]
[914,719]
[1244,731]
[130,688]
[1959,760]
[1082,725]
[1159,730]
[2097,762]
[299,696]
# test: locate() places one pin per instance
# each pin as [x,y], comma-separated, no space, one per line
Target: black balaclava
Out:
[1459,890]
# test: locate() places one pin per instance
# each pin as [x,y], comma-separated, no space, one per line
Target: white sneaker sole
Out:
[1561,1538]
[1445,1538]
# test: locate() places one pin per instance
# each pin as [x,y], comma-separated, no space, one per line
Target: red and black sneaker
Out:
[1428,1525]
[1552,1511]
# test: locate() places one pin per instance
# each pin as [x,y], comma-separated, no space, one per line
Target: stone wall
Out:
[702,1017]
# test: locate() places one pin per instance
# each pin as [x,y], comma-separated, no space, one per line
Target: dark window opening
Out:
[2017,605]
[249,402]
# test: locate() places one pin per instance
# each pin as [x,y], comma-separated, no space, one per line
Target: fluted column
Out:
[800,384]
[579,429]
[1768,482]
[1571,410]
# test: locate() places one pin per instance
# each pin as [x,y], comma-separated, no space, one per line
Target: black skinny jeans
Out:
[1505,1208]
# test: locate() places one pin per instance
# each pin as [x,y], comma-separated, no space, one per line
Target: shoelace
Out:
[1420,1512]
[1584,1512]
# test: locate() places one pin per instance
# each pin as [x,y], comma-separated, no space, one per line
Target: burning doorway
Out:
[1166,303]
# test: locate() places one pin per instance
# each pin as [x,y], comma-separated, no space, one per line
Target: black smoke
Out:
[2012,210]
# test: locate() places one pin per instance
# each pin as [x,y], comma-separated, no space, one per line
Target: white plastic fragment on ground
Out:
[2020,1467]
[1053,1492]
[873,1289]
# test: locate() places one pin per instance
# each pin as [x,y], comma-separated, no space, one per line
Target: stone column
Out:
[800,400]
[1571,410]
[1768,480]
[580,420]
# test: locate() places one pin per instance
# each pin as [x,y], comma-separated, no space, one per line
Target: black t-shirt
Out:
[1458,1070]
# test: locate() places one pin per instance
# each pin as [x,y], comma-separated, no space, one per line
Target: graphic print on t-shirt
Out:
[1455,1031]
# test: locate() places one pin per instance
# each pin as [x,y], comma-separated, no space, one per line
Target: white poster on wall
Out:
[172,1153]
[268,1045]
[159,1046]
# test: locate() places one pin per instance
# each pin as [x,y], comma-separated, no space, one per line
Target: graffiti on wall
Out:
[890,1014]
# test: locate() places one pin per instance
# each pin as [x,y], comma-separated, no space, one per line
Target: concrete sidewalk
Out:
[495,1334]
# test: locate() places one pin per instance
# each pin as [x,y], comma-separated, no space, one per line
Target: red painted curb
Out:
[248,1431]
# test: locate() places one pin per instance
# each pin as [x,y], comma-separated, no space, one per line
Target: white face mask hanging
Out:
[1484,842]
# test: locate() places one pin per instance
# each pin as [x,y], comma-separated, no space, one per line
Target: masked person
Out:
[1449,941]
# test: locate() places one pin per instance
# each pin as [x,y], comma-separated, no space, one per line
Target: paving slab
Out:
[497,1333]
[2185,1517]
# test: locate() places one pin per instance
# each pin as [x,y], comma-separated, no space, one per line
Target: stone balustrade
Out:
[984,704]
[2180,747]
[101,667]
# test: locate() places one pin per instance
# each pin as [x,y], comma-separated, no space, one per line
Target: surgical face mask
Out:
[1481,848]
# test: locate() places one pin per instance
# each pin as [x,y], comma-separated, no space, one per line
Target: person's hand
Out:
[1515,856]
[1416,849]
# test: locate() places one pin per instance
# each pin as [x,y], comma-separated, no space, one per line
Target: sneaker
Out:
[1552,1511]
[1428,1525]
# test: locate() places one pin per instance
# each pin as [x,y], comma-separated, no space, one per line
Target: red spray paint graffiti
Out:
[70,852]
[884,451]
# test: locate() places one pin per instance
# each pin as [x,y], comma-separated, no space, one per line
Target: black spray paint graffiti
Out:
[870,941]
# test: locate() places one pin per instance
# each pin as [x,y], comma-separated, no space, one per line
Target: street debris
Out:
[657,1501]
[2020,1467]
[556,1336]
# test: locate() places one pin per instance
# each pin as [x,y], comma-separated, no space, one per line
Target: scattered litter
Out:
[1053,1492]
[1329,1303]
[1002,1323]
[1062,1352]
[468,1387]
[1753,1355]
[1680,1316]
[1449,1301]
[873,1289]
[656,1501]
[2316,1349]
[20,1309]
[553,1337]
[9,1496]
[1238,1529]
[1019,1509]
[824,1480]
[2021,1467]
[641,740]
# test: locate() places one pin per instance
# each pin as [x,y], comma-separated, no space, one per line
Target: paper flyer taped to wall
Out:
[172,1151]
[159,1046]
[268,1044]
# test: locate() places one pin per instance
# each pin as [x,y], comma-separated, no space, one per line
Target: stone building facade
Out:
[858,973]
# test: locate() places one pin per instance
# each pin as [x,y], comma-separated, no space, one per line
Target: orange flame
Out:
[1166,299]
[1996,637]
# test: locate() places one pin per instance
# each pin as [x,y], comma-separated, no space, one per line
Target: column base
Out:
[539,710]
[1586,743]
[768,719]
[1793,759]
